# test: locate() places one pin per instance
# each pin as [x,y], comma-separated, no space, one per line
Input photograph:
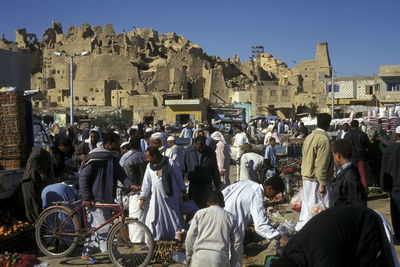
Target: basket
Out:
[17,240]
[164,250]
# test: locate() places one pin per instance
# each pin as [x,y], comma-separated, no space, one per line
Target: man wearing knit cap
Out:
[125,152]
[174,152]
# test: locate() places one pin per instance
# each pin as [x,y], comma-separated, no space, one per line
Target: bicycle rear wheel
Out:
[56,232]
[130,243]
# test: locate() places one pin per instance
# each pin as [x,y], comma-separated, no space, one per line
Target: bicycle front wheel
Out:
[130,243]
[57,232]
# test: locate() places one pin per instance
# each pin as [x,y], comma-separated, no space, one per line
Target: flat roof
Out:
[182,102]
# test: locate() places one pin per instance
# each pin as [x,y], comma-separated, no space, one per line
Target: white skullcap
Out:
[171,138]
[116,132]
[397,130]
[124,144]
[134,127]
[149,130]
[157,136]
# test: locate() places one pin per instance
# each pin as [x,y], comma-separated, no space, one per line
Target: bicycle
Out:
[58,231]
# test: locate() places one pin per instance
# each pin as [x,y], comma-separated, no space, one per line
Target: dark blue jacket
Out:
[203,169]
[93,181]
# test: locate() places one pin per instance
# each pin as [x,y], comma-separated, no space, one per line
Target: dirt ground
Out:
[257,251]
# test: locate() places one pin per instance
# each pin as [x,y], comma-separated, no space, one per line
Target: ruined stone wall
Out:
[144,62]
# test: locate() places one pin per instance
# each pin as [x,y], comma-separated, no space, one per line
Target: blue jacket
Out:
[98,183]
[201,168]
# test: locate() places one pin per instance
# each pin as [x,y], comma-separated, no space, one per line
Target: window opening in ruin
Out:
[285,93]
[76,98]
[369,89]
[377,87]
[92,98]
[393,86]
[272,93]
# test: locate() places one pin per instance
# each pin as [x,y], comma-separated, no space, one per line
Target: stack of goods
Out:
[18,260]
[165,249]
[13,233]
[13,143]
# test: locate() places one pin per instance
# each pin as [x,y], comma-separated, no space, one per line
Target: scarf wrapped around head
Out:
[218,136]
[166,176]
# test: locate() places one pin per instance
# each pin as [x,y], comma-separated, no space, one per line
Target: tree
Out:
[119,122]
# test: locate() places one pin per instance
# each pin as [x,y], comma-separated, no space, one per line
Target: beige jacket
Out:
[317,162]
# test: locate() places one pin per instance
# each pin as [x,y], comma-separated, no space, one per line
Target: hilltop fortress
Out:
[138,71]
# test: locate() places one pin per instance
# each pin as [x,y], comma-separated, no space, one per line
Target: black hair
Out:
[267,163]
[128,146]
[111,137]
[271,139]
[64,141]
[239,127]
[354,124]
[132,132]
[276,183]
[135,142]
[211,129]
[153,151]
[147,135]
[323,120]
[284,262]
[200,139]
[344,148]
[216,197]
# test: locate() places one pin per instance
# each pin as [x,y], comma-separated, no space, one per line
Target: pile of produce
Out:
[10,226]
[18,260]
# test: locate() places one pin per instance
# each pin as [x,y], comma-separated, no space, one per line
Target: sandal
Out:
[88,259]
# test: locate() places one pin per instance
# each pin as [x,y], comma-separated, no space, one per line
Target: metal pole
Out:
[71,89]
[333,93]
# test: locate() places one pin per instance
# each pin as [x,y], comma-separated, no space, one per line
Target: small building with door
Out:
[181,111]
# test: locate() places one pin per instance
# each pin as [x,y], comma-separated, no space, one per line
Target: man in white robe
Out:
[174,152]
[213,236]
[163,185]
[252,166]
[245,200]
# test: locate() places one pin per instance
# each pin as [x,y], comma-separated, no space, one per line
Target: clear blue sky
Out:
[362,34]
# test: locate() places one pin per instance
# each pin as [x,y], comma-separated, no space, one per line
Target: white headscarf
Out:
[218,136]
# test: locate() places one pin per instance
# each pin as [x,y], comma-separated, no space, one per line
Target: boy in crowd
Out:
[347,187]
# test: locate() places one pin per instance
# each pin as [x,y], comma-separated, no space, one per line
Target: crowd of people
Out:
[177,190]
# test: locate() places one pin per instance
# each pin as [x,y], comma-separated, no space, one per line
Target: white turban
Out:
[218,136]
[157,135]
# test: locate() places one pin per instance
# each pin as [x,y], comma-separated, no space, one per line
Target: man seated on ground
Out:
[213,236]
[245,200]
[347,187]
[344,235]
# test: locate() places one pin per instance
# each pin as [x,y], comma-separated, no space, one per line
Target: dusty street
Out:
[258,250]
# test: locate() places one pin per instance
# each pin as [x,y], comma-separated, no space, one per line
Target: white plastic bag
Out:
[318,208]
[295,202]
